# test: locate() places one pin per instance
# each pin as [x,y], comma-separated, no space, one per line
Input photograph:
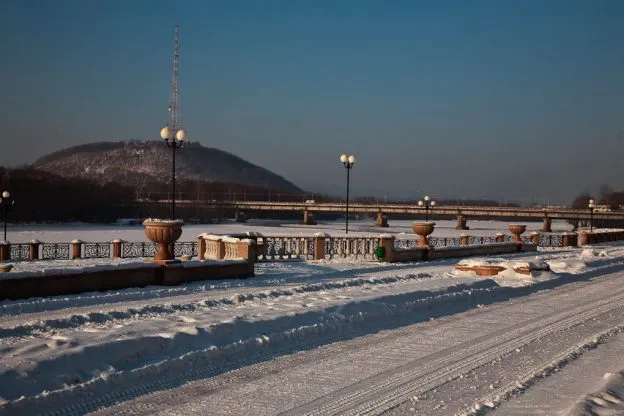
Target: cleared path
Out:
[455,364]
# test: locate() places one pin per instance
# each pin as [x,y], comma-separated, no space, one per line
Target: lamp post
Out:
[7,203]
[348,162]
[591,207]
[428,205]
[174,140]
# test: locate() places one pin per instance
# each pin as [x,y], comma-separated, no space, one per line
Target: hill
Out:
[135,162]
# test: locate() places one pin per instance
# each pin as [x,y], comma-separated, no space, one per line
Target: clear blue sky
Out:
[506,99]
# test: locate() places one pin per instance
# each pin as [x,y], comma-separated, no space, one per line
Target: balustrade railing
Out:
[271,248]
[284,248]
[95,250]
[19,251]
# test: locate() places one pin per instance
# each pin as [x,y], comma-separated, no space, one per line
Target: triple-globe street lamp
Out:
[174,140]
[591,207]
[7,203]
[428,205]
[348,161]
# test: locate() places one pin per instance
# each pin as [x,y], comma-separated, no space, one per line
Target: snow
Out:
[23,233]
[81,352]
[163,221]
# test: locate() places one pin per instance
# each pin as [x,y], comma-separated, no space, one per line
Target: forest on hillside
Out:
[45,197]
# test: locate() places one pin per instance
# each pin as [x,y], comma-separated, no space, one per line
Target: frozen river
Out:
[22,233]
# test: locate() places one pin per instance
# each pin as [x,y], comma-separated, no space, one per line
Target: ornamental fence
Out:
[94,250]
[269,248]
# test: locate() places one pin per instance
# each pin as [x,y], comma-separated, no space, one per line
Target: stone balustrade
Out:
[600,236]
[319,246]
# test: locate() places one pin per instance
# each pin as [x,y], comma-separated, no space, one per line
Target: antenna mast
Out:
[175,121]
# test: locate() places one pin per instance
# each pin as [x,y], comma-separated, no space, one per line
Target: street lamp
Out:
[591,206]
[7,203]
[428,205]
[174,140]
[348,162]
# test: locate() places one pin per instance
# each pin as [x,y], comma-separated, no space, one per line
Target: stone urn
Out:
[423,229]
[164,233]
[516,230]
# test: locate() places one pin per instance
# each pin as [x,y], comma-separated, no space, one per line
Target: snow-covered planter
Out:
[516,230]
[423,229]
[164,233]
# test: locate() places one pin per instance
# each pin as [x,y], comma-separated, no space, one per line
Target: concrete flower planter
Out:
[516,230]
[423,229]
[164,233]
[482,270]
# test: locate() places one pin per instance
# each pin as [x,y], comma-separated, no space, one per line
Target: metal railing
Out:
[269,248]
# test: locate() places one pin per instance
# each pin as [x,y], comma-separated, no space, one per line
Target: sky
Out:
[502,99]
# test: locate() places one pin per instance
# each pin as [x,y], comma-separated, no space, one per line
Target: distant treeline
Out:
[44,197]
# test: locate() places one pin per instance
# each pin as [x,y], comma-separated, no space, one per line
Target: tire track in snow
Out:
[395,386]
[84,402]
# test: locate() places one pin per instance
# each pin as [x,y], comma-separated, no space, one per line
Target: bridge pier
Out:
[461,223]
[381,220]
[575,224]
[546,225]
[308,218]
[239,216]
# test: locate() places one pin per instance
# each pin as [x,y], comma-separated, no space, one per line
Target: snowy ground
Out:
[325,338]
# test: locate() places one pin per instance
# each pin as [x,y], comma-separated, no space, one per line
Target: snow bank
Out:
[67,267]
[608,400]
[537,269]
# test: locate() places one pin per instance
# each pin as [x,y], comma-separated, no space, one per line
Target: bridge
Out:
[462,213]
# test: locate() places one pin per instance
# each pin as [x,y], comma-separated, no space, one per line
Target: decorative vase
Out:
[423,229]
[516,230]
[164,233]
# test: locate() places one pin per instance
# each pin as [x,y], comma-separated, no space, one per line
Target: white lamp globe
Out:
[343,158]
[426,197]
[6,194]
[433,203]
[181,135]
[420,203]
[352,159]
[164,132]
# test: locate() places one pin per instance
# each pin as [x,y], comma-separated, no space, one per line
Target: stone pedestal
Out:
[535,237]
[463,239]
[33,250]
[319,246]
[117,248]
[568,239]
[387,242]
[76,246]
[5,251]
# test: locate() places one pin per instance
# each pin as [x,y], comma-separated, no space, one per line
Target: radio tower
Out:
[173,133]
[175,122]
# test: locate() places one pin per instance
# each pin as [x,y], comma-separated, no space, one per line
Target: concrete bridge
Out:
[462,213]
